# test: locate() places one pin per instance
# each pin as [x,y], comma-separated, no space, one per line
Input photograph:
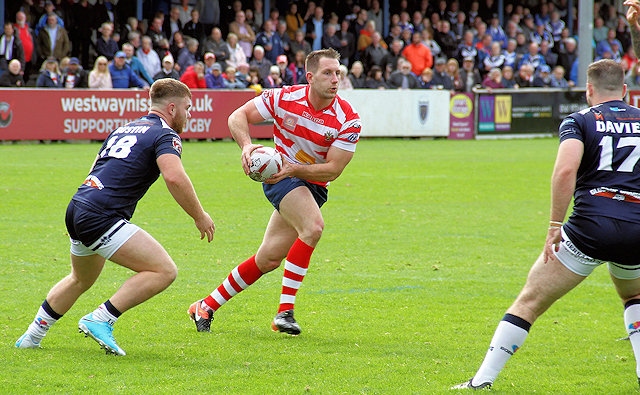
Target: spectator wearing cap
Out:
[49,74]
[543,78]
[135,63]
[53,40]
[236,53]
[217,46]
[167,70]
[13,77]
[285,74]
[209,61]
[441,79]
[417,54]
[194,76]
[214,79]
[74,76]
[122,76]
[469,74]
[105,44]
[149,58]
[188,55]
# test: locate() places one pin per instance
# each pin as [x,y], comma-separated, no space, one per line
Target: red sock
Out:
[295,268]
[238,280]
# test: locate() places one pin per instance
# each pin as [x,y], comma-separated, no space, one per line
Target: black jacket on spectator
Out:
[81,78]
[442,80]
[11,80]
[194,30]
[473,81]
[372,83]
[161,74]
[373,56]
[347,51]
[358,82]
[395,80]
[447,43]
[17,52]
[566,59]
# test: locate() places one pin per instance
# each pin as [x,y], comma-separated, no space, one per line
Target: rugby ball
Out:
[265,162]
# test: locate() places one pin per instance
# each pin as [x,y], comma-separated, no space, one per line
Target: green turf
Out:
[426,244]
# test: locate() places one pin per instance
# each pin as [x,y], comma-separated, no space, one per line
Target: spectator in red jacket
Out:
[193,76]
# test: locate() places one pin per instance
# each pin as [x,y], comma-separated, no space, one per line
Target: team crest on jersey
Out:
[328,136]
[598,115]
[290,122]
[177,145]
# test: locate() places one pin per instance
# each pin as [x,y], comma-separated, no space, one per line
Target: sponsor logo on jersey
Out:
[599,116]
[93,182]
[177,145]
[634,325]
[312,118]
[6,114]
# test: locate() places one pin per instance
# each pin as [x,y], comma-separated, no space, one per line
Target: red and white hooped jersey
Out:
[301,133]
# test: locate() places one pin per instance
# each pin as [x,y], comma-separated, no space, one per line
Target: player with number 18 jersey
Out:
[111,192]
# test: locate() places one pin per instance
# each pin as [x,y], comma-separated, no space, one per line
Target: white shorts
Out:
[583,265]
[108,243]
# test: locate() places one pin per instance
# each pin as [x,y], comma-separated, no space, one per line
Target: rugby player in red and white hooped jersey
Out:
[316,132]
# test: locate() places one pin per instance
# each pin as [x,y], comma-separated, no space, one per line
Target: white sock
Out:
[506,341]
[40,324]
[632,323]
[102,314]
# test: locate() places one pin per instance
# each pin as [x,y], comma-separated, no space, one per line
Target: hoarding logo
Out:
[6,114]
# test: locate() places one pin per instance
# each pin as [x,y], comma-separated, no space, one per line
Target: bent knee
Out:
[313,234]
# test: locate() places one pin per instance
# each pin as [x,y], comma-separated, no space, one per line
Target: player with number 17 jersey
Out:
[114,190]
[608,180]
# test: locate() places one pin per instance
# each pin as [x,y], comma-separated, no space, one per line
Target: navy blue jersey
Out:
[127,167]
[606,214]
[608,180]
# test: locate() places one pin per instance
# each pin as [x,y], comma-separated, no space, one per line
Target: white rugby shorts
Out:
[108,243]
[583,265]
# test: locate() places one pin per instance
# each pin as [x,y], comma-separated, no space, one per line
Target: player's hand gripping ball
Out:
[265,162]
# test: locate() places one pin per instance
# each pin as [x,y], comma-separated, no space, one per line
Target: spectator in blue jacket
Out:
[121,74]
[49,74]
[136,65]
[214,79]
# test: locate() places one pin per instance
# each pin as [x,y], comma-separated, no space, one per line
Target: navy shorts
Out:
[86,224]
[606,239]
[276,192]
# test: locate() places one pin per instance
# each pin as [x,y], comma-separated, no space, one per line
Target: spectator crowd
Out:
[217,44]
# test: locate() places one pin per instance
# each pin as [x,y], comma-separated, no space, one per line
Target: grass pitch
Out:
[426,243]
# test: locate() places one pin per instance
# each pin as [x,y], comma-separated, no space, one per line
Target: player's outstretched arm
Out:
[182,190]
[633,13]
